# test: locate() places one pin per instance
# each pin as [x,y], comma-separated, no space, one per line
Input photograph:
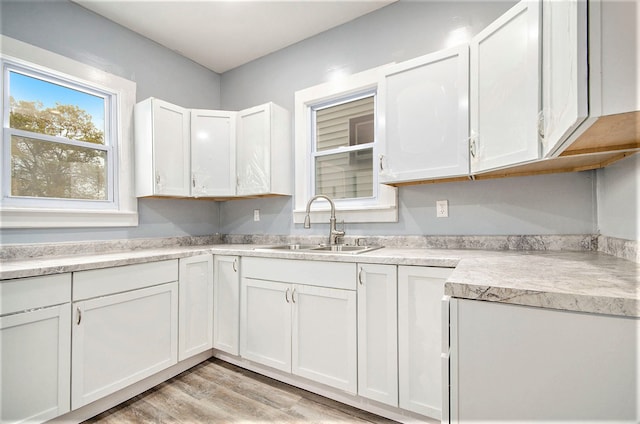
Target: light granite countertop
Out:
[590,282]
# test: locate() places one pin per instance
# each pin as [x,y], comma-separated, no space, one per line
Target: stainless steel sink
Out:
[315,248]
[343,248]
[290,247]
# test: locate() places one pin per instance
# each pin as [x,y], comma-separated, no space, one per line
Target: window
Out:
[343,148]
[336,152]
[59,137]
[66,142]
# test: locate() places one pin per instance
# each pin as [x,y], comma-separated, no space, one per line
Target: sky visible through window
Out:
[30,89]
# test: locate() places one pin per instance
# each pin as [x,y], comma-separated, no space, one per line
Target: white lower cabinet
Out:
[35,348]
[196,305]
[304,329]
[420,292]
[265,323]
[324,347]
[512,363]
[226,308]
[378,333]
[119,339]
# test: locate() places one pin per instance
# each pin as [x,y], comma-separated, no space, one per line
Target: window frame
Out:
[383,207]
[120,208]
[109,147]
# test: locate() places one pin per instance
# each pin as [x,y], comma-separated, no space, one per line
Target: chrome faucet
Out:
[334,234]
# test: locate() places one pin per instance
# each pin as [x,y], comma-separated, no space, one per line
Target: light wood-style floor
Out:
[218,392]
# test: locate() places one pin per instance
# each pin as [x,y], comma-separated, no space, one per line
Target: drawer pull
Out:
[286,295]
[235,265]
[79,315]
[360,276]
[293,294]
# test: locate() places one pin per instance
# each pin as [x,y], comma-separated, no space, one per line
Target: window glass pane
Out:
[43,107]
[346,124]
[46,169]
[345,175]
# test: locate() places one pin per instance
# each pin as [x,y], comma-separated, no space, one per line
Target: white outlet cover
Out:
[442,208]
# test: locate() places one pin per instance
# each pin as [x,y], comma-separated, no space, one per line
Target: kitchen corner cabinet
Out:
[213,153]
[226,308]
[35,348]
[519,363]
[162,149]
[426,130]
[304,328]
[378,333]
[195,305]
[264,151]
[420,292]
[125,327]
[504,90]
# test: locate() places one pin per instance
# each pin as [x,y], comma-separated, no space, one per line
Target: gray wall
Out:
[551,204]
[619,199]
[70,30]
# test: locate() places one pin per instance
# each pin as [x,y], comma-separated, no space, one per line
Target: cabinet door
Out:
[254,151]
[35,359]
[504,90]
[171,149]
[420,292]
[564,70]
[378,333]
[226,309]
[512,363]
[196,305]
[121,339]
[265,323]
[425,105]
[213,153]
[324,340]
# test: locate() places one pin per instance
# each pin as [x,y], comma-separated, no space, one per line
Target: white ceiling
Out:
[222,35]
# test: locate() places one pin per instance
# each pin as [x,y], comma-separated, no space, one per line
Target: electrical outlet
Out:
[442,208]
[256,215]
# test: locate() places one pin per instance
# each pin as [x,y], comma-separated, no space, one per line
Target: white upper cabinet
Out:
[565,102]
[162,149]
[209,153]
[426,126]
[504,90]
[264,151]
[213,153]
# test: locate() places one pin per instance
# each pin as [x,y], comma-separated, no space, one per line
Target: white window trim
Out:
[127,212]
[386,207]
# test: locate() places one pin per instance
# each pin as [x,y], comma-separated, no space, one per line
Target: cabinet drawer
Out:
[35,292]
[339,275]
[100,282]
